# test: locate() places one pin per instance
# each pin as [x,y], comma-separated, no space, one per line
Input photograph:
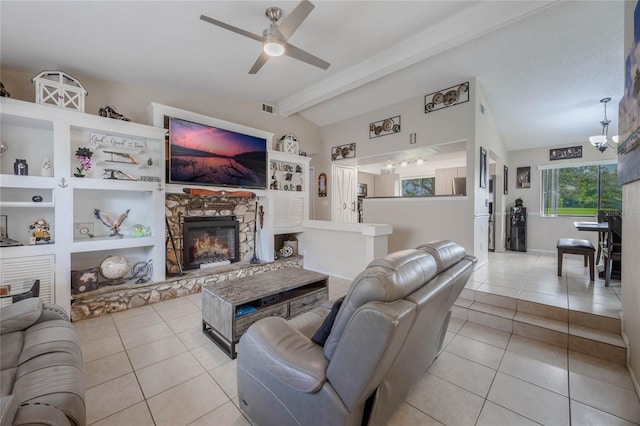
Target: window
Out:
[580,190]
[419,187]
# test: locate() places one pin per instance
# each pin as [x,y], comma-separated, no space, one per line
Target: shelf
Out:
[111,243]
[31,204]
[36,182]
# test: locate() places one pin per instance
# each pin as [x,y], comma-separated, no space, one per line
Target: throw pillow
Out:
[320,337]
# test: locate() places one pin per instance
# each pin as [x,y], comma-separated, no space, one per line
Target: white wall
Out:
[435,128]
[419,220]
[631,235]
[543,232]
[132,102]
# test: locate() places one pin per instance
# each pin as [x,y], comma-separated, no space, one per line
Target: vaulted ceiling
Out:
[543,65]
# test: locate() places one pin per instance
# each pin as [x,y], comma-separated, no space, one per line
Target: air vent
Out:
[269,109]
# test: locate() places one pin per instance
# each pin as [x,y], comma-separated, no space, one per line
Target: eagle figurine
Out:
[114,226]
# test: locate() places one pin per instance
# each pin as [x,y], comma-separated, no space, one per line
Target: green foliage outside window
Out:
[580,190]
[418,187]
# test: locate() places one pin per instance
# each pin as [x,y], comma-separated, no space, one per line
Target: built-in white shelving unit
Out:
[35,132]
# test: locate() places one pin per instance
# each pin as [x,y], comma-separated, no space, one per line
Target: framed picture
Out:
[4,233]
[483,167]
[384,127]
[565,153]
[343,151]
[506,180]
[523,177]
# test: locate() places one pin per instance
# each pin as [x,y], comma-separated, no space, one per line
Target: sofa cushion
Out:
[49,337]
[320,337]
[385,280]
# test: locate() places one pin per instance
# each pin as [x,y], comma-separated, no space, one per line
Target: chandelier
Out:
[602,142]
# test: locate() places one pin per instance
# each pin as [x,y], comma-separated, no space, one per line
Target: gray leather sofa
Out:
[41,380]
[388,330]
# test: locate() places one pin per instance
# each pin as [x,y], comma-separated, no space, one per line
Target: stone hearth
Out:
[179,206]
[128,296]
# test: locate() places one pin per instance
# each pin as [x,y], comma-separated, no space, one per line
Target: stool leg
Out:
[585,260]
[560,254]
[591,267]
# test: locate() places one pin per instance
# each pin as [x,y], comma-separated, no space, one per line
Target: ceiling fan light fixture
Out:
[272,45]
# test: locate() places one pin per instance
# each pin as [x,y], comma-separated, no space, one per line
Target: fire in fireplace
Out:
[209,240]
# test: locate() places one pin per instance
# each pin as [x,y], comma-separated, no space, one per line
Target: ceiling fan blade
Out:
[262,59]
[231,28]
[293,20]
[301,55]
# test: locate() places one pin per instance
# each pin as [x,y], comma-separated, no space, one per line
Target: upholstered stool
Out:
[576,246]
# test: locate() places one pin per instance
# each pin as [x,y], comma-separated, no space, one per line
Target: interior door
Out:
[344,200]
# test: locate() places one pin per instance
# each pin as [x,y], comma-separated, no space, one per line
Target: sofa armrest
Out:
[40,414]
[285,353]
[20,315]
[51,311]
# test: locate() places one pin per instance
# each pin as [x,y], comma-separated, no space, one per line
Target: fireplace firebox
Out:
[209,240]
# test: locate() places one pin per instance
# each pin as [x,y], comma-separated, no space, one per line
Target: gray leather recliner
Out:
[389,329]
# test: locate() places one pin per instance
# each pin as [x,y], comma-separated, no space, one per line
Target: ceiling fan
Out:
[274,39]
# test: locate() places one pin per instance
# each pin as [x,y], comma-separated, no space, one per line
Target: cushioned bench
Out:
[576,246]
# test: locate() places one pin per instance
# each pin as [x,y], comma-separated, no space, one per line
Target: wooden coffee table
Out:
[230,307]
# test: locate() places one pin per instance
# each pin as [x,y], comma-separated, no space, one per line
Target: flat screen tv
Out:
[205,155]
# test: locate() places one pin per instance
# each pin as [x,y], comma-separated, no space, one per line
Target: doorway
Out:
[344,201]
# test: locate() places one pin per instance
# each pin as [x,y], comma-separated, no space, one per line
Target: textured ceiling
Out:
[543,66]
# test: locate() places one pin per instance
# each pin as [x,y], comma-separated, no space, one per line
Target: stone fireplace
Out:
[209,240]
[210,211]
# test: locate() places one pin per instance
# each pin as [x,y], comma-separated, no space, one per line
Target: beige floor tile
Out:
[105,369]
[595,308]
[533,402]
[130,313]
[227,414]
[187,402]
[467,374]
[125,324]
[186,322]
[494,415]
[111,397]
[448,337]
[546,299]
[407,415]
[497,290]
[144,335]
[545,352]
[165,374]
[485,334]
[536,372]
[493,321]
[584,415]
[455,324]
[180,310]
[611,399]
[93,329]
[210,356]
[97,349]
[171,304]
[136,415]
[476,351]
[196,299]
[194,338]
[225,376]
[598,322]
[155,351]
[599,369]
[445,402]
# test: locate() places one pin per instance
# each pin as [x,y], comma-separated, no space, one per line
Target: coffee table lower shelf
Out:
[284,293]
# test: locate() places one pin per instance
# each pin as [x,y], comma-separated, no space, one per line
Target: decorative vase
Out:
[78,175]
[21,168]
[46,170]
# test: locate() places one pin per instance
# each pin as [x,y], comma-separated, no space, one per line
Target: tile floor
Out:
[153,366]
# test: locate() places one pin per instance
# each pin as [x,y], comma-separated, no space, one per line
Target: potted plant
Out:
[84,156]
